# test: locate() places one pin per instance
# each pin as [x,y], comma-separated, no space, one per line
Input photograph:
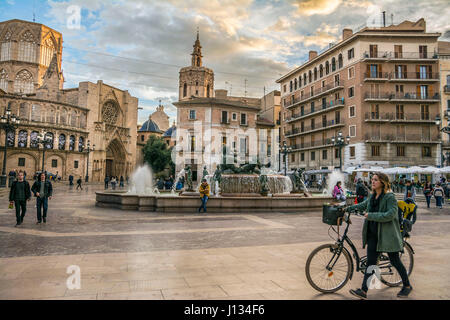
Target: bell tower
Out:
[196,81]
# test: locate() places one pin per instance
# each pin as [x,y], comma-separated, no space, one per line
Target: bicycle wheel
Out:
[328,280]
[390,275]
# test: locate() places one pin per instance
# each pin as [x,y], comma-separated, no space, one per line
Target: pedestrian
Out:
[338,192]
[160,184]
[381,232]
[19,194]
[121,182]
[361,191]
[24,175]
[204,194]
[113,183]
[79,183]
[71,180]
[410,191]
[438,193]
[42,190]
[427,192]
[319,184]
[106,182]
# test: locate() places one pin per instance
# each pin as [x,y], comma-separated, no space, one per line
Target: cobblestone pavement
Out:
[141,255]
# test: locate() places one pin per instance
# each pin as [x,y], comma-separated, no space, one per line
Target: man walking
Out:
[71,180]
[19,194]
[42,190]
[79,183]
[204,194]
[106,182]
[410,191]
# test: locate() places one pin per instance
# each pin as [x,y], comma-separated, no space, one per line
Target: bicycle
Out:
[334,264]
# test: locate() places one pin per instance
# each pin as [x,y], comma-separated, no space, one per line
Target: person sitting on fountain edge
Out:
[204,194]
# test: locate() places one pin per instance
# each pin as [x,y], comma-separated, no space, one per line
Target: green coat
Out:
[389,235]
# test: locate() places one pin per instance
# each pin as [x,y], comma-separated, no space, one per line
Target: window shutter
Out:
[368,70]
[430,91]
[418,91]
[380,71]
[418,72]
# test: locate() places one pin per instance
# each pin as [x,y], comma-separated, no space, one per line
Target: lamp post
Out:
[88,150]
[446,130]
[8,122]
[339,141]
[284,149]
[43,139]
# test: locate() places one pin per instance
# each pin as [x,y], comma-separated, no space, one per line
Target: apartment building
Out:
[444,71]
[378,88]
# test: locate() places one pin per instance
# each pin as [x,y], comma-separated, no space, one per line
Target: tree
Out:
[157,154]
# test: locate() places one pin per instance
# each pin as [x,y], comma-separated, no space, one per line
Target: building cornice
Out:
[213,101]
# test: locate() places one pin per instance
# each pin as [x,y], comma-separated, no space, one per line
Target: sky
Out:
[140,45]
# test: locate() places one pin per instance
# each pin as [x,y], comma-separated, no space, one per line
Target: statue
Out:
[188,174]
[264,187]
[205,172]
[298,179]
[217,174]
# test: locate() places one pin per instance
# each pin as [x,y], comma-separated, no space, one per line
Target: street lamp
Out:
[8,122]
[284,149]
[340,142]
[43,139]
[88,150]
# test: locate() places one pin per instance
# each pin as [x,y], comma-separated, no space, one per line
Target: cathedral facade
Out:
[31,87]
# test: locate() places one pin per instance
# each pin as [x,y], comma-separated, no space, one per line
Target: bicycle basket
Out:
[331,214]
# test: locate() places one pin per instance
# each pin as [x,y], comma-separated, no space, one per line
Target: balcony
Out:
[413,77]
[333,104]
[407,138]
[377,96]
[413,117]
[414,97]
[446,89]
[312,145]
[376,76]
[319,127]
[399,56]
[377,117]
[337,85]
[376,56]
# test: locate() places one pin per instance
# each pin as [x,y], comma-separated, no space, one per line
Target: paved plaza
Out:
[141,255]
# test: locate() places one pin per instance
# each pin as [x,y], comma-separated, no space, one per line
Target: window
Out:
[352,152]
[284,88]
[22,139]
[327,67]
[400,151]
[423,91]
[333,64]
[315,74]
[75,164]
[310,76]
[337,116]
[424,112]
[293,157]
[374,111]
[426,152]
[185,90]
[423,52]
[290,86]
[313,155]
[49,140]
[375,151]
[207,91]
[302,126]
[312,91]
[80,144]
[399,114]
[313,124]
[5,53]
[33,139]
[373,51]
[142,138]
[399,88]
[243,119]
[351,92]
[191,114]
[192,144]
[351,53]
[324,154]
[352,131]
[243,145]
[351,72]
[27,47]
[352,111]
[234,116]
[398,51]
[340,61]
[336,153]
[312,107]
[4,80]
[302,156]
[295,84]
[21,162]
[400,71]
[54,163]
[299,81]
[321,71]
[224,116]
[72,143]
[24,82]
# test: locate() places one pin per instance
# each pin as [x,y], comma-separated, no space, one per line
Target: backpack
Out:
[407,211]
[438,192]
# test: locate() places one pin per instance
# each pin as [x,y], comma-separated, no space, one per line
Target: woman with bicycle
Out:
[381,232]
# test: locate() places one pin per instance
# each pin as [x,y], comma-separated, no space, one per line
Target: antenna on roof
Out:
[245,85]
[392,19]
[34,13]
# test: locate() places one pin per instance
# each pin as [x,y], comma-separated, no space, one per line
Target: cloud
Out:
[320,7]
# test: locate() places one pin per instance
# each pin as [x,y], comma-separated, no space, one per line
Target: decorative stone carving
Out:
[27,36]
[110,114]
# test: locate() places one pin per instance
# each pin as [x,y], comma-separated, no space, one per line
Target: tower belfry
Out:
[196,81]
[197,53]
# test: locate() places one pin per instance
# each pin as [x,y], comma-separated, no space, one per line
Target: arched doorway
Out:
[115,159]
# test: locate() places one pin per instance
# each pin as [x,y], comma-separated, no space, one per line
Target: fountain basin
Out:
[189,204]
[249,184]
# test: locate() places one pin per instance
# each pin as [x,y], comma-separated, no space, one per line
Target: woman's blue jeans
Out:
[439,202]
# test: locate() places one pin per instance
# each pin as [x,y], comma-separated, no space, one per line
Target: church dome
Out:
[150,126]
[170,132]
